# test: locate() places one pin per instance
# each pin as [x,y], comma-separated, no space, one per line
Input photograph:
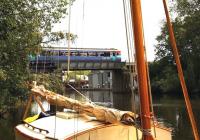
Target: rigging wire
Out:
[83,16]
[150,93]
[180,72]
[149,85]
[82,95]
[68,60]
[68,66]
[83,24]
[51,61]
[68,38]
[128,43]
[55,120]
[128,39]
[36,66]
[36,70]
[58,62]
[44,65]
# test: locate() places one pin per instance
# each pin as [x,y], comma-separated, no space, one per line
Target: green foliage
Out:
[187,33]
[164,78]
[24,25]
[51,81]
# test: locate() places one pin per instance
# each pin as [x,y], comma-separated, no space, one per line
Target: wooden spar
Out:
[28,106]
[101,113]
[141,68]
[180,73]
[39,103]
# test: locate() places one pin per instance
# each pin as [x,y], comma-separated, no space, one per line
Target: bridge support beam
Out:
[120,81]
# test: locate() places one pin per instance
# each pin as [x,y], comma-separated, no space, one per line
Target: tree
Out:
[187,33]
[23,26]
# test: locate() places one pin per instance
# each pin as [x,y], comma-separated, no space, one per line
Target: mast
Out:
[180,73]
[141,68]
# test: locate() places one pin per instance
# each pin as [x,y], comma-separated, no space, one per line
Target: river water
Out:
[169,111]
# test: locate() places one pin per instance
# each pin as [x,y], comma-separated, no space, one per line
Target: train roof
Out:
[79,49]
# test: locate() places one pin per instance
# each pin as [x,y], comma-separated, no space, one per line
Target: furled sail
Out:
[101,113]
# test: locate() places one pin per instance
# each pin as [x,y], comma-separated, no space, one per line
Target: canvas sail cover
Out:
[101,113]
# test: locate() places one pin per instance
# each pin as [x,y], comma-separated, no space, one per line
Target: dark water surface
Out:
[169,111]
[172,112]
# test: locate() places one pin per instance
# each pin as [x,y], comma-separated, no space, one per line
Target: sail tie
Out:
[147,132]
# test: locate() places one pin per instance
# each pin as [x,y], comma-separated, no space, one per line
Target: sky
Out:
[100,24]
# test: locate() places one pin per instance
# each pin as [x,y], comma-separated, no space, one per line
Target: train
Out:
[60,54]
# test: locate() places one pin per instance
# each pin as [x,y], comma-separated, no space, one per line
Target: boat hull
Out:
[82,129]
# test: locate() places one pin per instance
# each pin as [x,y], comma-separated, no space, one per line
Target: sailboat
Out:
[83,120]
[87,121]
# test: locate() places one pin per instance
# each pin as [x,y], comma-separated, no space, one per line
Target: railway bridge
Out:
[113,74]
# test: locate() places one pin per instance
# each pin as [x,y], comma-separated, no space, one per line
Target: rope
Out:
[128,36]
[55,120]
[44,62]
[134,58]
[68,63]
[36,71]
[150,95]
[36,66]
[58,59]
[68,39]
[83,25]
[149,86]
[87,99]
[146,132]
[180,73]
[76,118]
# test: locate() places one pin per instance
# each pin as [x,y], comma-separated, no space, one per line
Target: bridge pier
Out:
[100,79]
[120,81]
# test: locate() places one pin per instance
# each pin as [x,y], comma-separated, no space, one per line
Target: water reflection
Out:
[106,98]
[170,112]
[174,114]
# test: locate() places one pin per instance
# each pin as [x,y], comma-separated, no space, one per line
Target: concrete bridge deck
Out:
[79,65]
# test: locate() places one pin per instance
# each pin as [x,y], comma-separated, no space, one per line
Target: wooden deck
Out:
[81,128]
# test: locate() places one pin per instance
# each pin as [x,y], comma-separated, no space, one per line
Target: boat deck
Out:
[81,128]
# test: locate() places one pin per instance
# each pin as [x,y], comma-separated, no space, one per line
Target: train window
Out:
[43,53]
[118,53]
[96,53]
[62,53]
[92,54]
[59,53]
[101,54]
[55,53]
[52,53]
[48,53]
[66,53]
[73,54]
[107,54]
[77,53]
[83,54]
